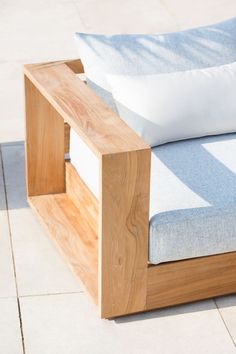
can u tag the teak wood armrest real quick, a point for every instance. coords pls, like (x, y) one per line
(105, 241)
(101, 129)
(54, 95)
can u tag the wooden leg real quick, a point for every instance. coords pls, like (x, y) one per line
(123, 236)
(45, 166)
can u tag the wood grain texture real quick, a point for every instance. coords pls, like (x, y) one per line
(191, 280)
(67, 137)
(81, 196)
(75, 65)
(45, 168)
(101, 129)
(123, 234)
(74, 235)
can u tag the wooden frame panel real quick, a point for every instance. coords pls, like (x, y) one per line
(105, 241)
(190, 280)
(124, 188)
(124, 222)
(45, 171)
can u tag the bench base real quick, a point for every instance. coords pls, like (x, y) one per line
(168, 284)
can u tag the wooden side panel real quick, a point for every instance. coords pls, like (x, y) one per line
(74, 235)
(123, 236)
(45, 168)
(191, 280)
(81, 196)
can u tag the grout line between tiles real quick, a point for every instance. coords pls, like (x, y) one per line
(52, 294)
(12, 253)
(222, 318)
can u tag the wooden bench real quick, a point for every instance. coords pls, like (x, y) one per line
(105, 241)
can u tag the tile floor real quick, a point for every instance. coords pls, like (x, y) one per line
(42, 307)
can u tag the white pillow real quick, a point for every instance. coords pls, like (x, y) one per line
(175, 106)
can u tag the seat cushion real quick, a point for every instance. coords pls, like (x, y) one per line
(193, 199)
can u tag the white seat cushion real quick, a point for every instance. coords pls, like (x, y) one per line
(192, 199)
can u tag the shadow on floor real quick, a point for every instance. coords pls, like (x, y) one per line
(13, 162)
(204, 305)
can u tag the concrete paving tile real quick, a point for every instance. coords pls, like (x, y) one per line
(69, 324)
(199, 13)
(38, 32)
(10, 70)
(12, 128)
(133, 16)
(11, 112)
(30, 32)
(10, 336)
(227, 308)
(39, 267)
(7, 278)
(11, 102)
(6, 4)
